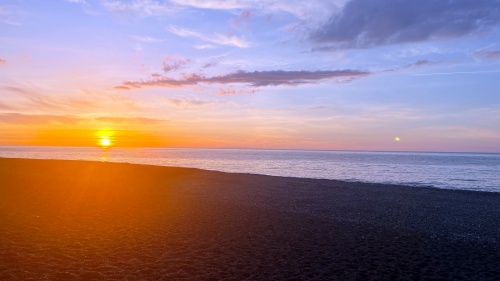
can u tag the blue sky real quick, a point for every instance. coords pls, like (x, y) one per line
(340, 74)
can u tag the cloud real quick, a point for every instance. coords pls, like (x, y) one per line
(243, 17)
(420, 63)
(77, 1)
(140, 7)
(47, 119)
(219, 39)
(130, 120)
(2, 61)
(146, 39)
(487, 55)
(457, 72)
(230, 91)
(87, 7)
(212, 62)
(253, 79)
(187, 103)
(9, 16)
(205, 46)
(87, 100)
(4, 106)
(215, 4)
(173, 63)
(35, 99)
(371, 23)
(28, 119)
(121, 88)
(310, 12)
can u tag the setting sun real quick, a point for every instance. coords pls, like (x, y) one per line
(105, 142)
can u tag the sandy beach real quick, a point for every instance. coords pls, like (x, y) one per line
(76, 220)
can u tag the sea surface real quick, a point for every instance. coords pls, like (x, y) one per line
(468, 171)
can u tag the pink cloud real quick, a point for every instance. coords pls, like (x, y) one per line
(188, 103)
(230, 91)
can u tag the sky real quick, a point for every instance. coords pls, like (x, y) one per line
(389, 75)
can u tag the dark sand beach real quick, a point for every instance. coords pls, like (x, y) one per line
(75, 220)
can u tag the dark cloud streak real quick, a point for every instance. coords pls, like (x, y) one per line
(253, 79)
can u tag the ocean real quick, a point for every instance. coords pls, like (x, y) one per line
(466, 171)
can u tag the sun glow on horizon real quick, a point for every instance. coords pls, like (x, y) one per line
(105, 142)
(105, 137)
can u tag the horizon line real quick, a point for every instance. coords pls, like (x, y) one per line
(257, 148)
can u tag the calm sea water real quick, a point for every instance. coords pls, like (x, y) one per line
(470, 171)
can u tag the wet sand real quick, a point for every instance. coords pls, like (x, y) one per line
(76, 220)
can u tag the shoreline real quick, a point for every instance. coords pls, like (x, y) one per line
(70, 220)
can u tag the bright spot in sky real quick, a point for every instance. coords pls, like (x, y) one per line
(397, 138)
(105, 142)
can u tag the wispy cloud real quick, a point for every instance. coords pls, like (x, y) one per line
(47, 119)
(371, 23)
(253, 79)
(230, 91)
(188, 103)
(29, 119)
(487, 55)
(204, 46)
(219, 39)
(173, 63)
(130, 120)
(456, 72)
(87, 7)
(147, 39)
(415, 65)
(421, 63)
(2, 61)
(4, 106)
(34, 98)
(310, 12)
(141, 7)
(215, 4)
(86, 101)
(212, 62)
(77, 1)
(241, 18)
(9, 16)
